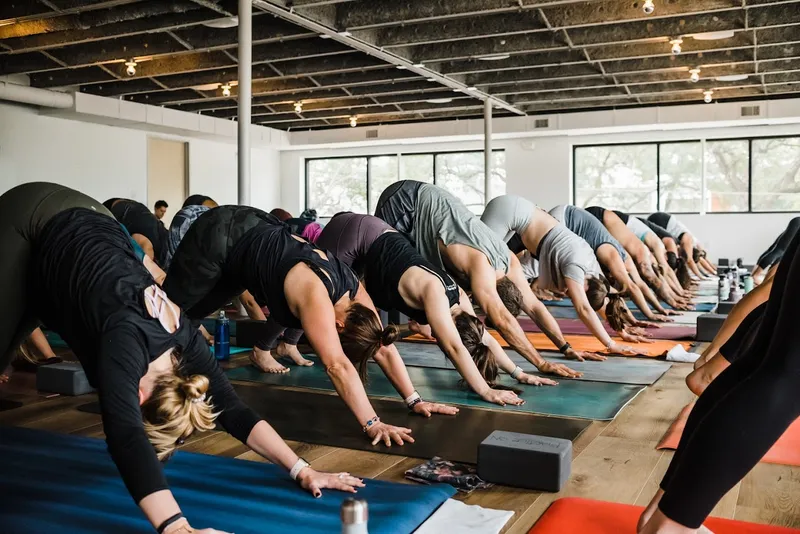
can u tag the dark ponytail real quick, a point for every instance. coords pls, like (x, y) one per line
(672, 260)
(617, 312)
(684, 277)
(363, 336)
(471, 331)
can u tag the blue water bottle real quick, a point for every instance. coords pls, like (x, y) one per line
(222, 337)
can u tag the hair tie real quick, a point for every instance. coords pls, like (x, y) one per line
(199, 399)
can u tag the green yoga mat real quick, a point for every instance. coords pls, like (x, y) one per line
(571, 398)
(55, 341)
(634, 371)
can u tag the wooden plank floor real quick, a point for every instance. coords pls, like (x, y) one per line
(614, 461)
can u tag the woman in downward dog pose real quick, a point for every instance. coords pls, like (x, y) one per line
(156, 379)
(691, 249)
(449, 236)
(612, 258)
(397, 277)
(758, 392)
(233, 248)
(566, 263)
(617, 223)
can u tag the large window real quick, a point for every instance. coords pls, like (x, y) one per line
(741, 175)
(776, 174)
(356, 183)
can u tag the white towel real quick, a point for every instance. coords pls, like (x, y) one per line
(455, 517)
(679, 354)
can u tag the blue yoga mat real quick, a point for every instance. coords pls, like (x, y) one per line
(55, 341)
(637, 371)
(686, 318)
(59, 483)
(567, 303)
(577, 399)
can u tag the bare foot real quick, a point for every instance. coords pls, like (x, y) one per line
(648, 512)
(661, 524)
(543, 294)
(699, 379)
(422, 329)
(264, 361)
(285, 350)
(208, 337)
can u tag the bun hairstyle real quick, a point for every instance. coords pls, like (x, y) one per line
(471, 330)
(363, 336)
(510, 294)
(177, 407)
(616, 311)
(672, 260)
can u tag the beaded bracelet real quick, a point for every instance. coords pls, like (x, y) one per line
(374, 421)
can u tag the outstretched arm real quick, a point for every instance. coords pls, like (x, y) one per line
(613, 262)
(308, 300)
(484, 289)
(254, 311)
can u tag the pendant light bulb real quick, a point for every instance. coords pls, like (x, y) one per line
(695, 75)
(298, 107)
(648, 7)
(353, 121)
(131, 64)
(226, 90)
(708, 96)
(676, 46)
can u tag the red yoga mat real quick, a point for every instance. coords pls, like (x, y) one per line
(576, 327)
(584, 516)
(786, 450)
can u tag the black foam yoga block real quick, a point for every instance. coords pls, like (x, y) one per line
(525, 461)
(708, 325)
(66, 378)
(724, 308)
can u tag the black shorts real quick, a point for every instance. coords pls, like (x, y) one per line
(398, 205)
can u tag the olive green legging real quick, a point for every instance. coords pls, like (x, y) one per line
(24, 212)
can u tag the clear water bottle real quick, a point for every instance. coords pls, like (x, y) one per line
(222, 337)
(748, 283)
(354, 516)
(723, 288)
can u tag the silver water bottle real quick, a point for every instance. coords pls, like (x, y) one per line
(354, 516)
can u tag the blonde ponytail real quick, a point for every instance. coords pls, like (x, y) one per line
(177, 407)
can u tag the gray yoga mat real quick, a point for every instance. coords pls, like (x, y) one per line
(636, 371)
(688, 318)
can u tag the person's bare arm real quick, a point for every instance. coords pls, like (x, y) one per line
(254, 311)
(588, 316)
(484, 289)
(437, 309)
(613, 262)
(308, 300)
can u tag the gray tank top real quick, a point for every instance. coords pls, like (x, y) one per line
(508, 214)
(441, 216)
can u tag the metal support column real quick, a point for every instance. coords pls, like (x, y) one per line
(245, 96)
(487, 150)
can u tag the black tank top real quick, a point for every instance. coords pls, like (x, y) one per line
(660, 218)
(624, 216)
(138, 219)
(262, 257)
(597, 211)
(389, 257)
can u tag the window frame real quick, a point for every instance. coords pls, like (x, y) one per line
(679, 141)
(368, 177)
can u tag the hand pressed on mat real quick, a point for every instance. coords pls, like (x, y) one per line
(550, 368)
(387, 434)
(314, 481)
(426, 409)
(582, 355)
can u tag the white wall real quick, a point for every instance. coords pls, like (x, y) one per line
(540, 169)
(111, 161)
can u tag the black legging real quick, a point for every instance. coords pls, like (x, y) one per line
(744, 411)
(738, 344)
(776, 251)
(275, 333)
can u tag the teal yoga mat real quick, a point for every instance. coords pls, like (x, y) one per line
(571, 398)
(615, 370)
(59, 483)
(55, 341)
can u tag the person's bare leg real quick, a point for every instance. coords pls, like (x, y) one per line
(285, 350)
(661, 524)
(648, 511)
(263, 360)
(43, 348)
(699, 379)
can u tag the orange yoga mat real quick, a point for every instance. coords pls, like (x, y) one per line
(584, 343)
(786, 450)
(585, 516)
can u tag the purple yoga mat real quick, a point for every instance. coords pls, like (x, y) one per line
(575, 326)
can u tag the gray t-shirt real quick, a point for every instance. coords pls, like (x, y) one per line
(441, 216)
(562, 255)
(508, 214)
(639, 228)
(530, 266)
(586, 225)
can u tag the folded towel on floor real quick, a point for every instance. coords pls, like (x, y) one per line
(679, 354)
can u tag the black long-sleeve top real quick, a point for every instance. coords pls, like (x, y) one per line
(88, 286)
